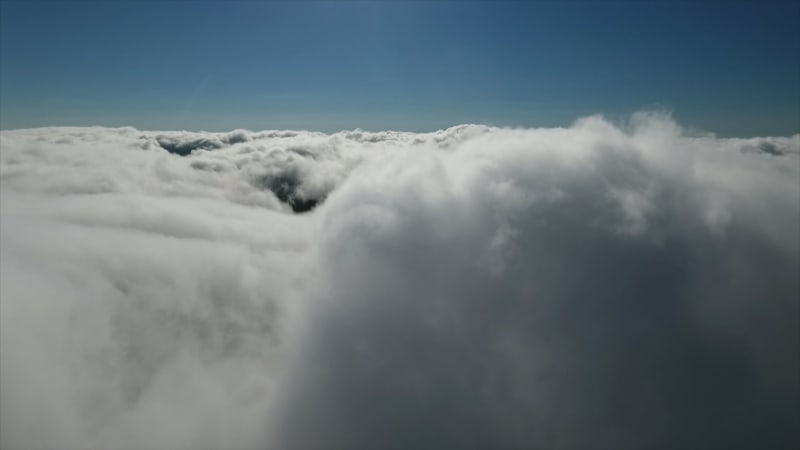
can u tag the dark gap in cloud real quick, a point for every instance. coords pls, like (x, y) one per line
(766, 147)
(236, 137)
(769, 148)
(285, 186)
(301, 205)
(185, 148)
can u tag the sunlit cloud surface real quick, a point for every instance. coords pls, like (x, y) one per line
(599, 286)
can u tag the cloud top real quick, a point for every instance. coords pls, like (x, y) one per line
(603, 285)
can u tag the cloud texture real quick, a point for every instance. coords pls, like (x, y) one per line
(598, 286)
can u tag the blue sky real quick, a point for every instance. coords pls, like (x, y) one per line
(729, 67)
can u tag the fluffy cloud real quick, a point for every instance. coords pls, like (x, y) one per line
(602, 285)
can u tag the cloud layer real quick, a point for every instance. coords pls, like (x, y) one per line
(598, 286)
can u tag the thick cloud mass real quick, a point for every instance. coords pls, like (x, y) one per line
(598, 286)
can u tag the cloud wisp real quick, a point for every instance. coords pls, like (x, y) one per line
(597, 286)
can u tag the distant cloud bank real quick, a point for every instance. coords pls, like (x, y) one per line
(598, 286)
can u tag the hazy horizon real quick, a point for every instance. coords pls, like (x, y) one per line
(722, 67)
(688, 130)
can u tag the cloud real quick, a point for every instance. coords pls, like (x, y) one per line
(596, 286)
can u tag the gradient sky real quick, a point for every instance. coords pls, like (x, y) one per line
(728, 67)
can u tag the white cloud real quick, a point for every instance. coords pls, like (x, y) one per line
(594, 286)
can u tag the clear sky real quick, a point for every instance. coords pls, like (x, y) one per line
(730, 67)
